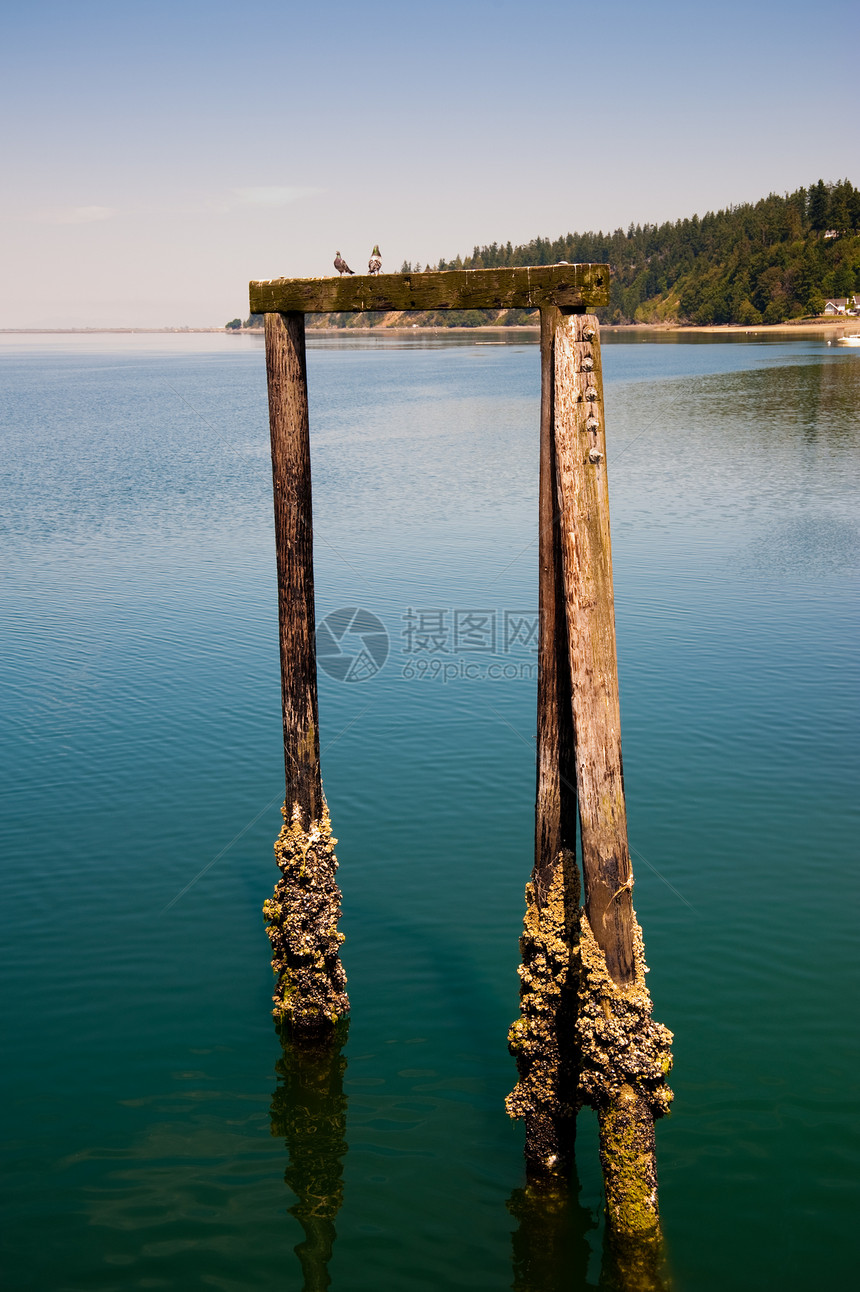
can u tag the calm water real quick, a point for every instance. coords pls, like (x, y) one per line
(152, 1140)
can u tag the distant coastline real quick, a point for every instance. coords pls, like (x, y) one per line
(815, 326)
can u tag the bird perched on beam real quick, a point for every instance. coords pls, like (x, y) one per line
(340, 265)
(374, 264)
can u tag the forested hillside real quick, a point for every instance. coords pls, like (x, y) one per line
(777, 259)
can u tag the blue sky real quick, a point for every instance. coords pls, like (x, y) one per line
(156, 156)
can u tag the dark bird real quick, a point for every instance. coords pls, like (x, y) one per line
(340, 265)
(374, 264)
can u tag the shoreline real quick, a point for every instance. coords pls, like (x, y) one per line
(813, 326)
(831, 322)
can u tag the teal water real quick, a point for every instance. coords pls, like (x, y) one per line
(153, 1134)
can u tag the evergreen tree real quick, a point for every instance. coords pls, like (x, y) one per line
(819, 206)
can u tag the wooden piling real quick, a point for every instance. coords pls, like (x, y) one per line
(555, 816)
(624, 1055)
(543, 1037)
(286, 372)
(302, 916)
(583, 502)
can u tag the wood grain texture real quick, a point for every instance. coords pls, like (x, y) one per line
(583, 502)
(543, 1039)
(291, 478)
(577, 287)
(555, 814)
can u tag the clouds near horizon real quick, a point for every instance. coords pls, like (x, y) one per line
(73, 214)
(267, 196)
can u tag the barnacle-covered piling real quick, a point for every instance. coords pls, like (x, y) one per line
(624, 1054)
(625, 1059)
(302, 919)
(543, 1038)
(302, 915)
(585, 1035)
(581, 1039)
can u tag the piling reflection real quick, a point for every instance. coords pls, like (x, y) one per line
(550, 1248)
(633, 1265)
(309, 1113)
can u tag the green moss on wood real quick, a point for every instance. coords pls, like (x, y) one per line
(629, 1165)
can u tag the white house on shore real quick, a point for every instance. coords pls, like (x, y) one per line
(842, 305)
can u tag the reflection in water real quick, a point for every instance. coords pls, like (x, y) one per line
(550, 1244)
(551, 1251)
(633, 1265)
(309, 1112)
(420, 339)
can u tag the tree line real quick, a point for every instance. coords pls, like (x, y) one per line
(765, 262)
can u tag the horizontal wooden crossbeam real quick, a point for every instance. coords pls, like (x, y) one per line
(581, 288)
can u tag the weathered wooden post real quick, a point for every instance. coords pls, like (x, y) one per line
(624, 1055)
(303, 914)
(543, 1037)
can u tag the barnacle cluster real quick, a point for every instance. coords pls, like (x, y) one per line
(542, 1037)
(625, 1059)
(301, 919)
(619, 1043)
(583, 1039)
